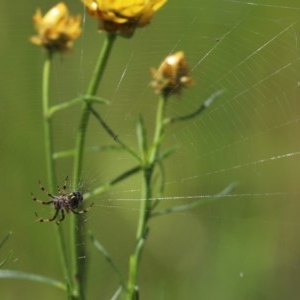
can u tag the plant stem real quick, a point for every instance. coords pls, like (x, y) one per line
(48, 136)
(145, 212)
(91, 91)
(78, 232)
(159, 129)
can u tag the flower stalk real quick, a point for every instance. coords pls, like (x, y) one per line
(169, 79)
(78, 231)
(48, 141)
(146, 205)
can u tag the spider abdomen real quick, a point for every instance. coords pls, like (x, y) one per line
(75, 199)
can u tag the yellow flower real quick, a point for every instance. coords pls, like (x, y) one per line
(57, 29)
(123, 16)
(172, 75)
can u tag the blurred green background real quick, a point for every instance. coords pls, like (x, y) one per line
(245, 246)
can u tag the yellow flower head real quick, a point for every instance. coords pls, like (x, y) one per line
(57, 29)
(172, 75)
(123, 16)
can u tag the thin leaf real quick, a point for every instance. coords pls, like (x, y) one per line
(198, 111)
(117, 293)
(141, 133)
(108, 258)
(105, 148)
(63, 154)
(201, 201)
(113, 134)
(75, 101)
(95, 99)
(11, 274)
(8, 256)
(104, 187)
(70, 153)
(5, 239)
(55, 108)
(161, 186)
(166, 153)
(2, 263)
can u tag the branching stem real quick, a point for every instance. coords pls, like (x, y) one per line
(48, 138)
(78, 232)
(146, 206)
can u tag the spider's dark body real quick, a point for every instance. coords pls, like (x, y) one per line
(68, 202)
(75, 199)
(62, 203)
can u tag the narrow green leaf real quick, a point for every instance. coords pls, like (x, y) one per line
(198, 111)
(201, 201)
(117, 293)
(166, 153)
(108, 258)
(141, 133)
(114, 136)
(64, 105)
(55, 108)
(105, 148)
(63, 154)
(5, 239)
(96, 99)
(70, 153)
(8, 256)
(11, 274)
(105, 186)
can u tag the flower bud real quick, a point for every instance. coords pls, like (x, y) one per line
(172, 75)
(57, 29)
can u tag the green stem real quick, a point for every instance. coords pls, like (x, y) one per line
(91, 91)
(142, 231)
(48, 136)
(78, 232)
(159, 129)
(145, 212)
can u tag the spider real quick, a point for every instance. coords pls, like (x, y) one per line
(62, 202)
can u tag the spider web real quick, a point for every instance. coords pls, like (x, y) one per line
(245, 243)
(251, 51)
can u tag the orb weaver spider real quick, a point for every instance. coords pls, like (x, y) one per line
(62, 203)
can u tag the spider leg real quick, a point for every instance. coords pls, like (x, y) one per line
(45, 191)
(40, 201)
(59, 191)
(61, 218)
(65, 185)
(82, 211)
(62, 192)
(50, 219)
